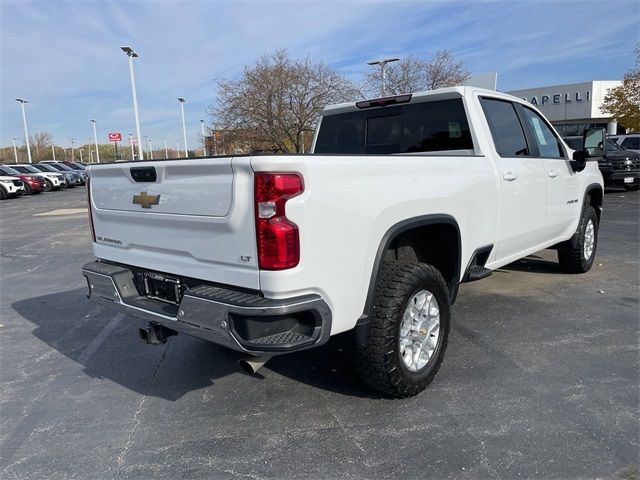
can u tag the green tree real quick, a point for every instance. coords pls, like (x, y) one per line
(623, 102)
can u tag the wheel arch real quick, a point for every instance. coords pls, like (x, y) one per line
(409, 233)
(593, 195)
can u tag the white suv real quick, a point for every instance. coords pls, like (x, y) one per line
(10, 187)
(628, 142)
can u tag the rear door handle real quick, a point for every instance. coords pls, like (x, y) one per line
(553, 173)
(509, 176)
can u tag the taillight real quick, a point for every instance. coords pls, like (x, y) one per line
(277, 237)
(93, 231)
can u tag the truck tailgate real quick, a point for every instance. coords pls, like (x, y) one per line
(184, 217)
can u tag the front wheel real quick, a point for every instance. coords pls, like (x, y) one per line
(400, 350)
(579, 257)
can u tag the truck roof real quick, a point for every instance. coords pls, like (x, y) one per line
(415, 97)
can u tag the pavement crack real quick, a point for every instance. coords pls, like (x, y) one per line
(137, 420)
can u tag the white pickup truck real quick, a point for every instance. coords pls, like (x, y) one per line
(402, 199)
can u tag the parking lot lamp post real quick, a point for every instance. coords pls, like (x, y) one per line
(150, 150)
(178, 148)
(133, 155)
(15, 149)
(24, 121)
(204, 140)
(73, 156)
(166, 150)
(53, 152)
(383, 63)
(80, 150)
(95, 138)
(132, 54)
(184, 127)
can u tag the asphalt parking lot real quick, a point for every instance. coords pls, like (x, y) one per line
(540, 379)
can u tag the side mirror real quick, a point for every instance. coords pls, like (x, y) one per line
(593, 146)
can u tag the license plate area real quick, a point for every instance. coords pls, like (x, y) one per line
(163, 288)
(628, 180)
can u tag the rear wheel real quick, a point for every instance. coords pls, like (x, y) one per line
(3, 193)
(400, 351)
(27, 189)
(579, 258)
(48, 186)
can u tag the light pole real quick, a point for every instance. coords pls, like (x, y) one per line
(15, 149)
(80, 155)
(178, 148)
(383, 63)
(184, 127)
(204, 140)
(24, 121)
(166, 150)
(53, 152)
(131, 54)
(73, 157)
(133, 155)
(95, 138)
(150, 149)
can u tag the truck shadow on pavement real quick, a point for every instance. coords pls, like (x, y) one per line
(107, 347)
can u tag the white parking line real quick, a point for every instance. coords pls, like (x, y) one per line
(61, 211)
(101, 337)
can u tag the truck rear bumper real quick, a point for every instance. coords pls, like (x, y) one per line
(241, 321)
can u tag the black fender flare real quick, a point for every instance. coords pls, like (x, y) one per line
(391, 234)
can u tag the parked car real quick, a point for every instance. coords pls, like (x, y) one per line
(54, 181)
(402, 199)
(629, 142)
(72, 179)
(619, 167)
(80, 178)
(32, 183)
(10, 187)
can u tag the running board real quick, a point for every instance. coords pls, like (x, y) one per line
(477, 272)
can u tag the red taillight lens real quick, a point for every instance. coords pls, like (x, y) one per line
(93, 231)
(277, 237)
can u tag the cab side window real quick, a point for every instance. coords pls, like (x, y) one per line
(506, 130)
(548, 144)
(632, 143)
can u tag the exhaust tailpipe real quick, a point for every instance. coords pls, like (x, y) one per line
(251, 365)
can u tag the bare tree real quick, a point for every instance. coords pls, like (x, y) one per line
(413, 74)
(275, 104)
(41, 145)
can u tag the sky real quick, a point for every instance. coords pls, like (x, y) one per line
(64, 57)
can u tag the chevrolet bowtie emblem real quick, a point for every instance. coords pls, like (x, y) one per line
(145, 200)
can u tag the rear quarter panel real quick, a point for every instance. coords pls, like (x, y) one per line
(350, 202)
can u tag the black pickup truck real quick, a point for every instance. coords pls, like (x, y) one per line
(618, 166)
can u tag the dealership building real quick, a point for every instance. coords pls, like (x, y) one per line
(572, 108)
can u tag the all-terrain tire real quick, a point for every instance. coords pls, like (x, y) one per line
(574, 259)
(378, 354)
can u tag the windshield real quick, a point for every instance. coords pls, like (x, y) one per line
(60, 167)
(45, 168)
(439, 125)
(613, 146)
(74, 166)
(9, 171)
(27, 169)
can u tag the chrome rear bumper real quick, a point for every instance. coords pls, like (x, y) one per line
(241, 321)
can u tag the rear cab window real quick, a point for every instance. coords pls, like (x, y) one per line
(506, 129)
(430, 126)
